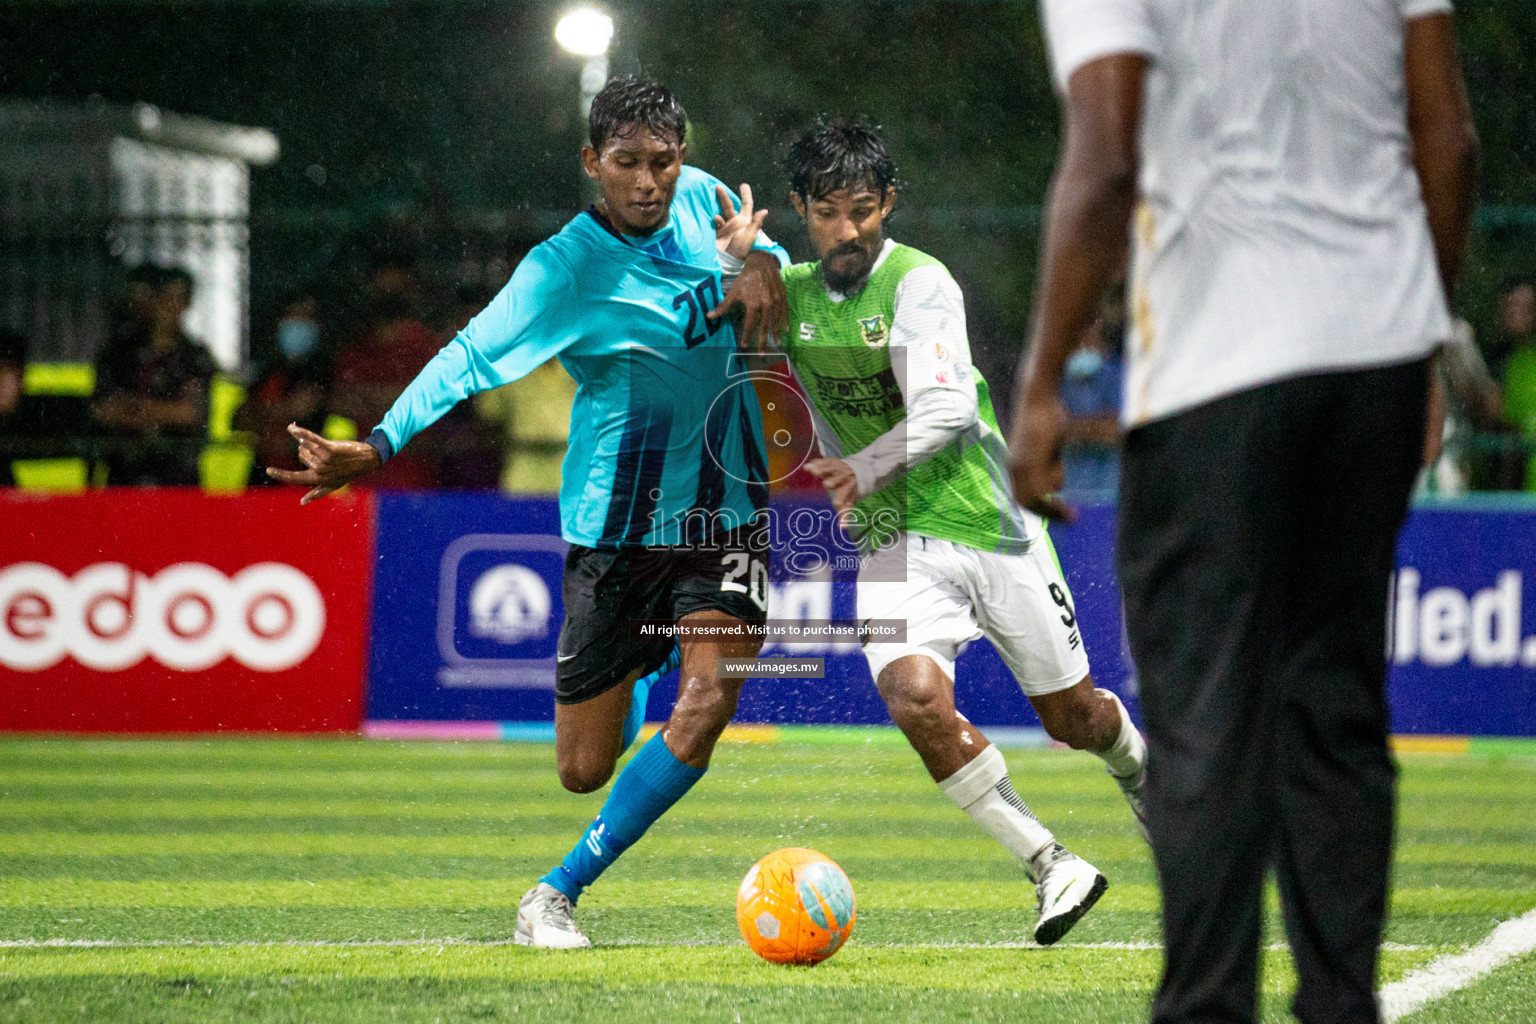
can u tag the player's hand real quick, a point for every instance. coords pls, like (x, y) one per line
(736, 230)
(329, 465)
(839, 479)
(1036, 457)
(759, 294)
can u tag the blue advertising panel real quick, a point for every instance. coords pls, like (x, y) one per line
(1463, 632)
(467, 610)
(985, 691)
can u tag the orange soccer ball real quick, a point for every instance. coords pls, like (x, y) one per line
(795, 907)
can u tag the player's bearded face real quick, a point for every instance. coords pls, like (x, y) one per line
(847, 229)
(637, 174)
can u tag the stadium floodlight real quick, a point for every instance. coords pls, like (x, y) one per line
(585, 32)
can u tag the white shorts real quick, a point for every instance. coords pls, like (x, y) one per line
(953, 594)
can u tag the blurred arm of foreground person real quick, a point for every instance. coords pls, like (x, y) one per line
(1091, 200)
(1445, 157)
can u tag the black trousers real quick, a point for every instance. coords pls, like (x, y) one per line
(1257, 536)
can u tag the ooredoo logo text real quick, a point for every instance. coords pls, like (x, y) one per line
(188, 616)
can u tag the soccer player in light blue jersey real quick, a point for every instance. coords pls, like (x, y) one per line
(665, 479)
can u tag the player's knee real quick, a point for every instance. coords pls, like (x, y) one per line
(585, 776)
(711, 708)
(1068, 719)
(914, 700)
(699, 717)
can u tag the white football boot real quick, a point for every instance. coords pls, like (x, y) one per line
(1068, 888)
(544, 919)
(1132, 786)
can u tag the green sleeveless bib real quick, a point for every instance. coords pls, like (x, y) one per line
(841, 354)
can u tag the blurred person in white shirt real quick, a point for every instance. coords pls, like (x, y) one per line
(1296, 179)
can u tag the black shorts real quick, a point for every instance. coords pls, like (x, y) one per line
(605, 590)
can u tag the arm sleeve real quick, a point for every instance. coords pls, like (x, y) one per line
(931, 358)
(1078, 31)
(525, 324)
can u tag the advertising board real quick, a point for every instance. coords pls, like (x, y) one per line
(168, 610)
(468, 608)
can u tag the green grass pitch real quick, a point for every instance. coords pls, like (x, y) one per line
(256, 880)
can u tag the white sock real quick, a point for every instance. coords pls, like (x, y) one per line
(1129, 753)
(982, 790)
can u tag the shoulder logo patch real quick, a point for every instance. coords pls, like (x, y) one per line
(873, 328)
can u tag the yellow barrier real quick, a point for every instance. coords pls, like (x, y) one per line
(75, 380)
(225, 397)
(225, 466)
(50, 476)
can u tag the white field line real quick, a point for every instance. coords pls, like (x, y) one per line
(450, 941)
(1441, 977)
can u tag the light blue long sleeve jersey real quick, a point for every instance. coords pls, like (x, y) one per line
(663, 423)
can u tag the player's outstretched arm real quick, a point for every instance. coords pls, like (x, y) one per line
(329, 465)
(1444, 139)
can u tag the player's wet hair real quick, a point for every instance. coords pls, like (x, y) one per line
(632, 100)
(837, 155)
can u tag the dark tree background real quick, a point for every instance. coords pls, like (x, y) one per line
(453, 125)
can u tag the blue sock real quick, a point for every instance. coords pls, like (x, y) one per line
(652, 782)
(643, 686)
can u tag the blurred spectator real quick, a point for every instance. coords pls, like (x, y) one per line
(471, 444)
(152, 384)
(13, 364)
(294, 389)
(1091, 392)
(532, 415)
(535, 413)
(376, 365)
(135, 302)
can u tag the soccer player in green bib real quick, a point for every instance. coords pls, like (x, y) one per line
(912, 451)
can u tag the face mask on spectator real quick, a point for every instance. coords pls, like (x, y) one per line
(297, 338)
(1085, 362)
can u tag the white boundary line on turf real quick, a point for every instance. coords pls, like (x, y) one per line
(386, 943)
(1441, 977)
